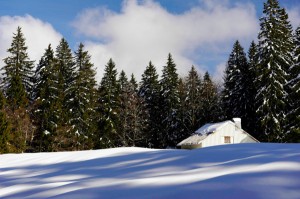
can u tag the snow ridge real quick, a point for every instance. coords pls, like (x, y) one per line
(227, 171)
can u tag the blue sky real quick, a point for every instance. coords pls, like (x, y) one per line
(196, 32)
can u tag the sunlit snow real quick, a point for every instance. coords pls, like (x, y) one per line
(228, 171)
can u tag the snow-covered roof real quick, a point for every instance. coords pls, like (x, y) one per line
(211, 127)
(194, 139)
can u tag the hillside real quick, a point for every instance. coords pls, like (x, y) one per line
(229, 171)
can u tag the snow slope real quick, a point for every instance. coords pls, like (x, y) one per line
(228, 171)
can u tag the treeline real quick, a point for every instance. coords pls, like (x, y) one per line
(58, 106)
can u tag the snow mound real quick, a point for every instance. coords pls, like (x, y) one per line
(227, 171)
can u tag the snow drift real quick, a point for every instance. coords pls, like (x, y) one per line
(228, 171)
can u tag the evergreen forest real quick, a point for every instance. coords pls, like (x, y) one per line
(56, 104)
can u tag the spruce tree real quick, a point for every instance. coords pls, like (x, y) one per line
(232, 96)
(293, 126)
(17, 72)
(134, 83)
(193, 102)
(274, 60)
(124, 109)
(245, 90)
(4, 127)
(132, 113)
(16, 94)
(183, 128)
(42, 73)
(249, 122)
(123, 80)
(83, 101)
(209, 111)
(67, 72)
(109, 103)
(17, 87)
(45, 97)
(66, 137)
(169, 105)
(149, 90)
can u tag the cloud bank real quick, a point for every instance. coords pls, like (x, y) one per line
(294, 16)
(38, 35)
(144, 31)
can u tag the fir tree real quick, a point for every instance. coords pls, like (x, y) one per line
(149, 91)
(209, 101)
(83, 102)
(45, 96)
(4, 127)
(183, 128)
(134, 83)
(132, 113)
(244, 90)
(65, 139)
(123, 80)
(109, 103)
(17, 87)
(275, 58)
(42, 73)
(67, 71)
(249, 120)
(193, 102)
(169, 104)
(17, 72)
(293, 126)
(232, 97)
(124, 108)
(16, 94)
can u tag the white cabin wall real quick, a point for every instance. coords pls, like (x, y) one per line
(217, 138)
(236, 135)
(241, 137)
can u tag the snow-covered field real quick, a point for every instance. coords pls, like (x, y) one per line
(231, 171)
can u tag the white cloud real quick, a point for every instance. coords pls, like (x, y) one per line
(219, 72)
(211, 4)
(145, 31)
(38, 35)
(294, 16)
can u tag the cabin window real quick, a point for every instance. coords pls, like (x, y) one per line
(227, 139)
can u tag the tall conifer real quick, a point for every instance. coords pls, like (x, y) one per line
(83, 101)
(46, 112)
(169, 104)
(209, 111)
(232, 96)
(149, 91)
(293, 126)
(275, 58)
(184, 126)
(192, 100)
(109, 103)
(66, 137)
(132, 114)
(17, 87)
(17, 72)
(249, 122)
(4, 127)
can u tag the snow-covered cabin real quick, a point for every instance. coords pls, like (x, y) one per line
(227, 132)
